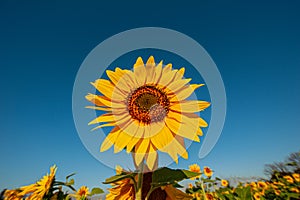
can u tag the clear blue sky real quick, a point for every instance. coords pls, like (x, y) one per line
(256, 47)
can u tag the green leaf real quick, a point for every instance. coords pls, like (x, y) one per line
(67, 177)
(119, 177)
(176, 185)
(96, 191)
(205, 180)
(244, 193)
(165, 176)
(293, 195)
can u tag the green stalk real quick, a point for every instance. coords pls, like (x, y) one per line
(203, 191)
(150, 191)
(138, 194)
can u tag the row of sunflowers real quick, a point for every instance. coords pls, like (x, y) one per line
(161, 184)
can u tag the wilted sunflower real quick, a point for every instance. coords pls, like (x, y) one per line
(148, 109)
(124, 189)
(41, 188)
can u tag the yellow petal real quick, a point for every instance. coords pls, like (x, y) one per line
(127, 82)
(185, 92)
(131, 144)
(123, 120)
(199, 132)
(94, 99)
(185, 129)
(122, 141)
(99, 100)
(116, 75)
(167, 78)
(182, 151)
(158, 71)
(139, 62)
(151, 157)
(110, 139)
(138, 158)
(103, 125)
(196, 86)
(163, 138)
(174, 149)
(181, 72)
(108, 89)
(202, 123)
(98, 108)
(177, 85)
(150, 70)
(150, 61)
(167, 68)
(103, 118)
(142, 146)
(140, 72)
(189, 106)
(154, 129)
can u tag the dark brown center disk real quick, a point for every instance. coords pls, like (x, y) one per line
(148, 104)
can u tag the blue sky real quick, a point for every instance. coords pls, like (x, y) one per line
(256, 47)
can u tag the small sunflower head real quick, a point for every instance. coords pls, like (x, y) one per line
(224, 183)
(207, 171)
(288, 179)
(296, 177)
(83, 192)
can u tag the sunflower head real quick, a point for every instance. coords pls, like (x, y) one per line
(288, 179)
(207, 171)
(262, 184)
(83, 192)
(224, 182)
(12, 195)
(148, 111)
(195, 168)
(41, 188)
(296, 177)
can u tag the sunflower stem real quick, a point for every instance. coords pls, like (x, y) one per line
(203, 190)
(149, 193)
(138, 194)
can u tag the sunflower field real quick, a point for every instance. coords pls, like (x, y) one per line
(149, 112)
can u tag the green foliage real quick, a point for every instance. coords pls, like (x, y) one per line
(120, 177)
(166, 176)
(96, 191)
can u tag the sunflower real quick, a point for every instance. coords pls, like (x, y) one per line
(224, 182)
(124, 190)
(195, 168)
(12, 195)
(257, 196)
(207, 171)
(288, 179)
(262, 184)
(41, 188)
(148, 111)
(296, 177)
(81, 193)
